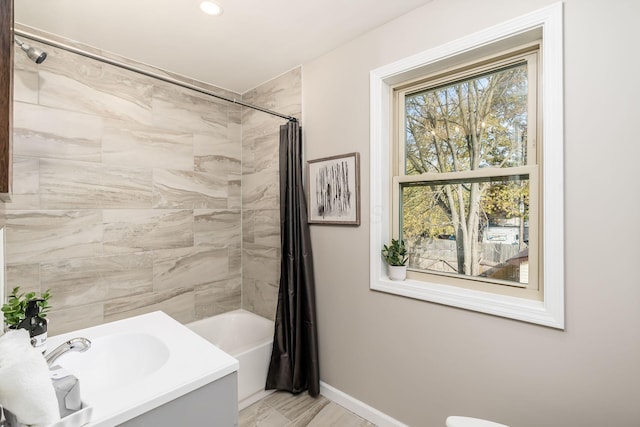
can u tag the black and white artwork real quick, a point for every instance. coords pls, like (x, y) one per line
(333, 190)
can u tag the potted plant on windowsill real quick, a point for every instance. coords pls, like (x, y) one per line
(396, 258)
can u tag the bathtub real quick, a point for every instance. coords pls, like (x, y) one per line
(247, 337)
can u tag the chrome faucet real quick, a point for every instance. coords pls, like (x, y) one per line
(74, 344)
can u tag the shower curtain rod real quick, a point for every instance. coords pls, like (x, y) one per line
(153, 75)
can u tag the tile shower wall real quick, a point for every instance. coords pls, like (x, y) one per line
(260, 190)
(127, 194)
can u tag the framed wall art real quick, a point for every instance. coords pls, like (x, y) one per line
(333, 190)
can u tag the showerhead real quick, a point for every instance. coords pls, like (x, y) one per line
(36, 55)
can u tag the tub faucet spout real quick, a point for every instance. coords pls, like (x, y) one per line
(74, 344)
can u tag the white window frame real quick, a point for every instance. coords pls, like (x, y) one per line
(545, 23)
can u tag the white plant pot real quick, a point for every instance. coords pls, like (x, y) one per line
(397, 272)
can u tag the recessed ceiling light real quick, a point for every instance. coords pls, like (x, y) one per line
(211, 8)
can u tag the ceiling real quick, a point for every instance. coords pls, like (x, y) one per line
(250, 43)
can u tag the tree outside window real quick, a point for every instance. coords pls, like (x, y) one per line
(465, 179)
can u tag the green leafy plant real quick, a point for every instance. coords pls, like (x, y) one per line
(16, 306)
(395, 254)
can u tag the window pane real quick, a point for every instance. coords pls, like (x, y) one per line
(473, 228)
(468, 125)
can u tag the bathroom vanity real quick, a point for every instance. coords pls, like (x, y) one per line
(214, 404)
(152, 370)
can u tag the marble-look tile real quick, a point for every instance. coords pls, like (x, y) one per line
(26, 276)
(248, 226)
(261, 415)
(25, 86)
(131, 144)
(56, 134)
(184, 109)
(216, 154)
(261, 262)
(178, 303)
(71, 82)
(219, 91)
(234, 196)
(256, 127)
(234, 130)
(173, 189)
(82, 281)
(261, 190)
(26, 175)
(22, 202)
(218, 228)
(282, 93)
(248, 157)
(189, 267)
(267, 228)
(88, 138)
(292, 406)
(74, 318)
(50, 235)
(67, 184)
(260, 297)
(220, 165)
(218, 297)
(234, 116)
(266, 152)
(135, 230)
(216, 144)
(235, 262)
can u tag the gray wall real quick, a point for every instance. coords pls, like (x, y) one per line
(126, 194)
(420, 362)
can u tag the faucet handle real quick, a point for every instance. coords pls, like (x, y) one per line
(74, 344)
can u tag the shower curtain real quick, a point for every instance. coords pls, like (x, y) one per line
(294, 358)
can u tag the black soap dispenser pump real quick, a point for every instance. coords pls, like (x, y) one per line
(36, 325)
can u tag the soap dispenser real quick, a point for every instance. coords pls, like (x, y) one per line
(36, 325)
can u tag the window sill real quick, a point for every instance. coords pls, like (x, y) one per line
(499, 305)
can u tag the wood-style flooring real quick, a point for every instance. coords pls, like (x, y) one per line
(282, 409)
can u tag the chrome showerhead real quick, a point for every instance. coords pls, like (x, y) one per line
(36, 55)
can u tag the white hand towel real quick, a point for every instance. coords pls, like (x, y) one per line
(25, 383)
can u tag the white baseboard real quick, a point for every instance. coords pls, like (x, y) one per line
(359, 408)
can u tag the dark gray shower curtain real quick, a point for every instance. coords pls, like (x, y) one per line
(294, 358)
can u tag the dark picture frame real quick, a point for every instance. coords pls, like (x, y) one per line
(333, 190)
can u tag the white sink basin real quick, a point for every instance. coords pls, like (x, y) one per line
(137, 364)
(115, 361)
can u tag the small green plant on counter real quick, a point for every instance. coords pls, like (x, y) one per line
(15, 307)
(396, 253)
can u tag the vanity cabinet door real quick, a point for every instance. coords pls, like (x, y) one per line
(6, 96)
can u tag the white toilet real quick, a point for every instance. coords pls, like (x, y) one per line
(471, 422)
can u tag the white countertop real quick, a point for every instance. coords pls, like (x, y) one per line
(192, 363)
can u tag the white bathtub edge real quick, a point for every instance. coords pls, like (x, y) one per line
(359, 408)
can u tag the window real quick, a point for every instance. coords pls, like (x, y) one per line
(466, 179)
(466, 167)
